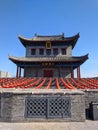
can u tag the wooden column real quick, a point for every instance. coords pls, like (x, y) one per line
(17, 72)
(36, 72)
(24, 72)
(59, 72)
(78, 72)
(72, 74)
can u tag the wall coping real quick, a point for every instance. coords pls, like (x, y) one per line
(91, 90)
(41, 91)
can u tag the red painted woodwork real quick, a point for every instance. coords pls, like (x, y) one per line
(48, 73)
(78, 72)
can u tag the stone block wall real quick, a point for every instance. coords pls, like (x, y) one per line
(29, 72)
(6, 106)
(78, 107)
(90, 96)
(13, 105)
(56, 72)
(38, 72)
(65, 72)
(28, 50)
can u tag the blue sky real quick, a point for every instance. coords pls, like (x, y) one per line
(49, 17)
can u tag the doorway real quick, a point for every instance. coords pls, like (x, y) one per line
(48, 73)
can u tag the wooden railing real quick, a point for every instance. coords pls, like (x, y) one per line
(49, 83)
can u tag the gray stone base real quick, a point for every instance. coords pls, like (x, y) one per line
(91, 96)
(13, 104)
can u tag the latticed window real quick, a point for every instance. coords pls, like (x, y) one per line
(47, 107)
(55, 51)
(33, 51)
(48, 51)
(41, 51)
(63, 51)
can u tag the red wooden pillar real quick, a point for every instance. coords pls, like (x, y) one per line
(72, 74)
(78, 72)
(17, 72)
(24, 72)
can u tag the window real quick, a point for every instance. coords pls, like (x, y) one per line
(63, 51)
(33, 51)
(48, 52)
(41, 51)
(55, 51)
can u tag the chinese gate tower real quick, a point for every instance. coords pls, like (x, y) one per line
(49, 56)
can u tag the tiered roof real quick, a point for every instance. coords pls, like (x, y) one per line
(60, 60)
(49, 59)
(54, 39)
(64, 59)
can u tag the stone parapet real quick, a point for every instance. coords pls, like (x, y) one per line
(13, 104)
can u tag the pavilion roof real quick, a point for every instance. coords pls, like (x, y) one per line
(54, 38)
(49, 59)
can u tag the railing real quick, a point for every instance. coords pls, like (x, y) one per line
(65, 84)
(49, 83)
(57, 84)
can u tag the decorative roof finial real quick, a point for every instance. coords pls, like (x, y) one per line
(62, 35)
(35, 34)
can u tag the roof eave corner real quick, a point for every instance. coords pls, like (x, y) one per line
(21, 40)
(87, 55)
(10, 57)
(20, 37)
(77, 36)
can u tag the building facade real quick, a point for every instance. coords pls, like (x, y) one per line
(49, 56)
(4, 74)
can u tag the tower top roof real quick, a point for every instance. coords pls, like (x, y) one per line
(53, 38)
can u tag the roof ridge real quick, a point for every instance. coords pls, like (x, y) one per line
(49, 35)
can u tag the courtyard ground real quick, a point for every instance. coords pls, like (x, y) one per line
(87, 125)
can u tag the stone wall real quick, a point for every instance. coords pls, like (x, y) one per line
(28, 50)
(38, 72)
(65, 72)
(33, 72)
(13, 104)
(90, 96)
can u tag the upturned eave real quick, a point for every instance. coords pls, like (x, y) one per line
(55, 38)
